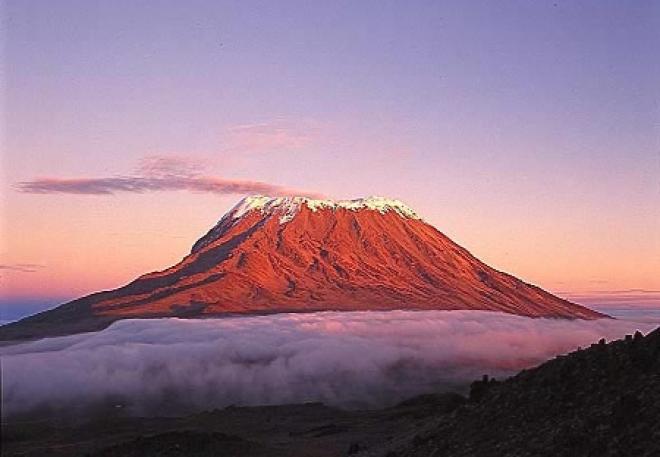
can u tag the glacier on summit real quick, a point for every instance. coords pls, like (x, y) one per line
(287, 208)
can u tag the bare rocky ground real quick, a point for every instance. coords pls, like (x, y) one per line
(312, 430)
(599, 401)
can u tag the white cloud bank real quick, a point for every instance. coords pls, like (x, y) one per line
(340, 358)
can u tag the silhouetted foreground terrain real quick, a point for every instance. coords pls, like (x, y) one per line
(600, 401)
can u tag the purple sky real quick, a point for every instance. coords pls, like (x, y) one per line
(526, 131)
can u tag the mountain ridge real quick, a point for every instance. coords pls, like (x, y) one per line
(294, 254)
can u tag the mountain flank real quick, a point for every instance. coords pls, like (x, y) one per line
(295, 254)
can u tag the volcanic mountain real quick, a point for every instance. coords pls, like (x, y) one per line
(296, 254)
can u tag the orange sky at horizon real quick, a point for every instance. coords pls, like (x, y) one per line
(77, 245)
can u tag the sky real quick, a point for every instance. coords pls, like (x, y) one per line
(528, 132)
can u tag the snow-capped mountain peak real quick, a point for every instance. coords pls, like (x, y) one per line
(288, 207)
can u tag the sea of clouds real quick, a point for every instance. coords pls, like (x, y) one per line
(346, 359)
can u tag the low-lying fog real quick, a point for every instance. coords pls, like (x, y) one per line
(347, 359)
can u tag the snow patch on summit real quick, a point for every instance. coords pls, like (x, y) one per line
(288, 207)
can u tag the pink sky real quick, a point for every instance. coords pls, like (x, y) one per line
(528, 135)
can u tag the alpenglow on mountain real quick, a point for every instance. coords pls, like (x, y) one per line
(295, 254)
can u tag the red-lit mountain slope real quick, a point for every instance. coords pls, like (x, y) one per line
(295, 254)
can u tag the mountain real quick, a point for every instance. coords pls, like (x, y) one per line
(296, 254)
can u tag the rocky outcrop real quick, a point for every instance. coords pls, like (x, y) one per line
(601, 401)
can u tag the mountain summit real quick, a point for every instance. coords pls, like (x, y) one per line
(295, 254)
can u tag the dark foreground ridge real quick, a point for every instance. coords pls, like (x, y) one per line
(600, 401)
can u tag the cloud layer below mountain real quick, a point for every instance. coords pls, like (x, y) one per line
(353, 359)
